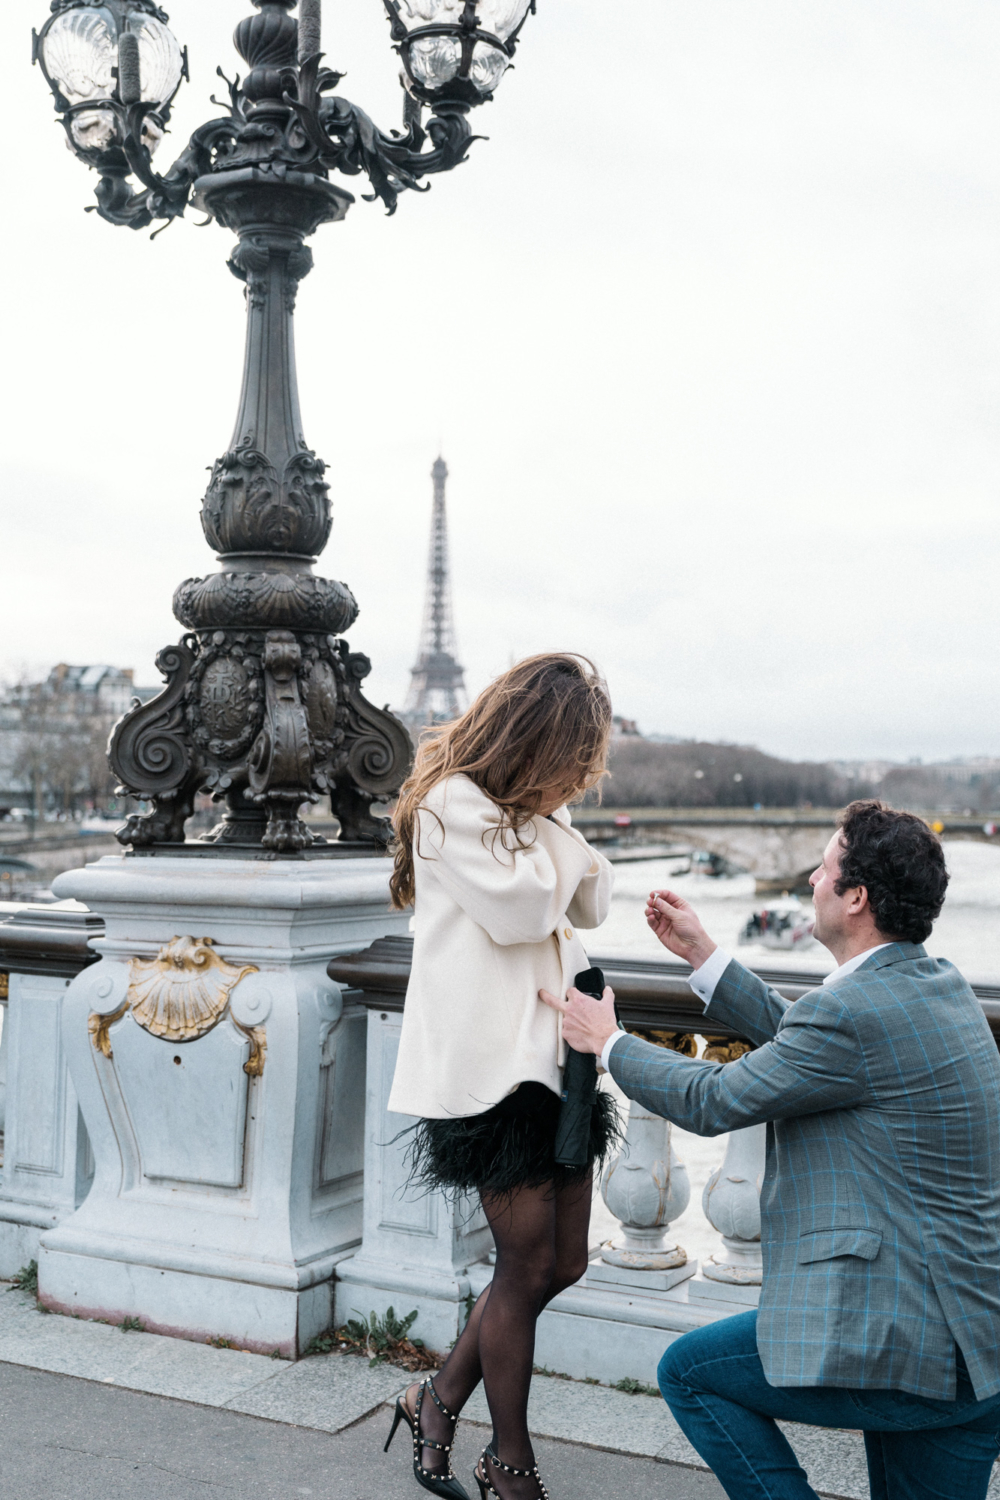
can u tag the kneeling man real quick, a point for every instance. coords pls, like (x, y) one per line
(880, 1210)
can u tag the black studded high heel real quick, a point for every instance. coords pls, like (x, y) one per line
(438, 1481)
(485, 1484)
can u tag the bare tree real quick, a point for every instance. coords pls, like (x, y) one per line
(693, 774)
(61, 745)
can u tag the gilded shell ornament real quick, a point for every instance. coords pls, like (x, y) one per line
(183, 992)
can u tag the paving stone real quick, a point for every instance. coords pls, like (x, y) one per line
(595, 1415)
(328, 1393)
(138, 1361)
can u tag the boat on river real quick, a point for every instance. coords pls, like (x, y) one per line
(781, 923)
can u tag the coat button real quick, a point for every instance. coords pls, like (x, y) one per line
(567, 932)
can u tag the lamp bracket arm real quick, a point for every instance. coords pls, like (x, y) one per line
(167, 196)
(347, 140)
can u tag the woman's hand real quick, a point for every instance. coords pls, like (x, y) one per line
(587, 1023)
(678, 928)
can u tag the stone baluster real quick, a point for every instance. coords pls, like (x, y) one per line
(731, 1201)
(646, 1187)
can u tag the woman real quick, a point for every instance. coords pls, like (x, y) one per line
(499, 881)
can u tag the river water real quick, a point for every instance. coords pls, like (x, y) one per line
(967, 931)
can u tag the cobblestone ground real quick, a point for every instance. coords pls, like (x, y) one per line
(69, 1439)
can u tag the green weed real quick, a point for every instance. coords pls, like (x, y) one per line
(26, 1279)
(384, 1340)
(634, 1387)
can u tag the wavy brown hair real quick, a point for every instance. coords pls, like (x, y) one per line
(542, 727)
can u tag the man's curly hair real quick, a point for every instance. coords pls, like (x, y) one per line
(900, 862)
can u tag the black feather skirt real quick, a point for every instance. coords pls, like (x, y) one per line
(509, 1146)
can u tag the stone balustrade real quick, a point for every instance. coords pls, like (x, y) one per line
(411, 1249)
(47, 1162)
(641, 1289)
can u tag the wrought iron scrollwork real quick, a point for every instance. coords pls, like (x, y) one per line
(378, 759)
(151, 753)
(149, 748)
(346, 140)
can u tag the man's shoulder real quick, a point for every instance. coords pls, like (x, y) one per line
(902, 969)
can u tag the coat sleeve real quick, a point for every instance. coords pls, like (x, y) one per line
(747, 1005)
(592, 899)
(516, 894)
(815, 1063)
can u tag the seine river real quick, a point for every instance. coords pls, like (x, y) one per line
(967, 931)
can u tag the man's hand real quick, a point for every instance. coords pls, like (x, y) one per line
(587, 1023)
(678, 929)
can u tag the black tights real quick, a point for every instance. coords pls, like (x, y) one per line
(541, 1237)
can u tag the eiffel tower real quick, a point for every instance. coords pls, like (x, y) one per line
(437, 682)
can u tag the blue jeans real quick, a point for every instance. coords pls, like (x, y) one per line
(917, 1449)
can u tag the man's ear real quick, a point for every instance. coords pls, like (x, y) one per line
(859, 901)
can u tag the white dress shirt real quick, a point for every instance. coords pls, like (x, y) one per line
(704, 980)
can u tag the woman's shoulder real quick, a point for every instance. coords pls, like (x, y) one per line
(459, 794)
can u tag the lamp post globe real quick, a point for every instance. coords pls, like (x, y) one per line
(97, 59)
(456, 50)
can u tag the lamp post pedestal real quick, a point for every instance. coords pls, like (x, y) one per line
(220, 1074)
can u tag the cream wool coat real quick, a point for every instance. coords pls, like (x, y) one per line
(492, 926)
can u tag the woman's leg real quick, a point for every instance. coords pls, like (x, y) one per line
(542, 1238)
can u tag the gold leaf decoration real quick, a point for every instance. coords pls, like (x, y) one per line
(183, 992)
(257, 1037)
(724, 1049)
(99, 1026)
(675, 1041)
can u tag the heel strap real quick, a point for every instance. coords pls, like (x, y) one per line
(428, 1385)
(489, 1456)
(420, 1442)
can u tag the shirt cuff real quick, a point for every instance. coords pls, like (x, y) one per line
(614, 1038)
(704, 980)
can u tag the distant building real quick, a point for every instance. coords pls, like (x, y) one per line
(112, 689)
(624, 728)
(72, 703)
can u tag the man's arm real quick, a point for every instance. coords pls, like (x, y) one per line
(734, 997)
(814, 1064)
(741, 1002)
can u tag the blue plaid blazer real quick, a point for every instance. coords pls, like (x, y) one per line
(880, 1209)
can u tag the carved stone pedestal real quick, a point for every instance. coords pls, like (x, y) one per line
(417, 1246)
(220, 1074)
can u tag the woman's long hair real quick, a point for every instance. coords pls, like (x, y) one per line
(541, 727)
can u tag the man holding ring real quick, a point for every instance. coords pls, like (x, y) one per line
(880, 1209)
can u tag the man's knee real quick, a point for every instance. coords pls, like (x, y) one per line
(678, 1372)
(674, 1367)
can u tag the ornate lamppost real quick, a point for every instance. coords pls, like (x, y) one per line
(220, 1075)
(263, 706)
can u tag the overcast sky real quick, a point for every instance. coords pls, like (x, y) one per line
(709, 330)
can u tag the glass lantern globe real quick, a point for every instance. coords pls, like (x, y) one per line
(78, 52)
(456, 49)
